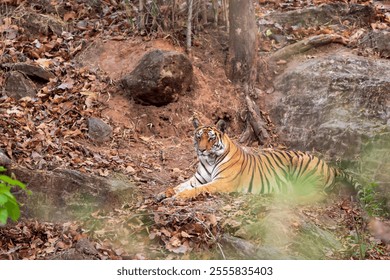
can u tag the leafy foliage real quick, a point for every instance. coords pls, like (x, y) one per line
(9, 206)
(372, 204)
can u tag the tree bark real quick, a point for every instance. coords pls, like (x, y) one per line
(241, 67)
(204, 12)
(195, 12)
(173, 14)
(189, 25)
(242, 64)
(215, 12)
(141, 16)
(225, 13)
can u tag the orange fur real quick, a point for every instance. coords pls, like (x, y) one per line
(225, 167)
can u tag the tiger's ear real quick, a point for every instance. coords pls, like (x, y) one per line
(195, 122)
(221, 125)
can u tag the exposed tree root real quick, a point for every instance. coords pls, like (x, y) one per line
(307, 44)
(255, 122)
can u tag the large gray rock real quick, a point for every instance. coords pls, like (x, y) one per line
(64, 194)
(282, 229)
(323, 15)
(338, 104)
(278, 25)
(159, 78)
(313, 242)
(238, 248)
(332, 103)
(376, 41)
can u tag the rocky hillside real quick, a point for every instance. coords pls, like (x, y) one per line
(96, 137)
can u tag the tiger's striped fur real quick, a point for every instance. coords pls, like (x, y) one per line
(226, 167)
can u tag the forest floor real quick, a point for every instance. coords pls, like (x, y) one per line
(151, 145)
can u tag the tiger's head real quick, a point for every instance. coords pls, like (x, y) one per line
(208, 140)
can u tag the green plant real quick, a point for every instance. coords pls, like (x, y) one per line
(9, 206)
(368, 195)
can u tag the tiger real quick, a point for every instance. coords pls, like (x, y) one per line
(226, 167)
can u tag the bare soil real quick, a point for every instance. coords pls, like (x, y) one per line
(153, 146)
(163, 135)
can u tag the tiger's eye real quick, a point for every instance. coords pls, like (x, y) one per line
(212, 135)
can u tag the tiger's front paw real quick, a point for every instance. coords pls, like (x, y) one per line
(187, 194)
(161, 196)
(170, 192)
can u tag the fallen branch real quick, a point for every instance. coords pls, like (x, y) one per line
(307, 44)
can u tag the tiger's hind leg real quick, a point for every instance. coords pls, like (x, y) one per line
(307, 187)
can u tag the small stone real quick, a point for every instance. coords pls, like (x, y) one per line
(18, 85)
(35, 24)
(34, 71)
(176, 170)
(130, 170)
(4, 159)
(98, 130)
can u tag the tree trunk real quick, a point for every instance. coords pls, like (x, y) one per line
(189, 25)
(241, 66)
(204, 12)
(173, 14)
(215, 12)
(141, 23)
(195, 12)
(225, 13)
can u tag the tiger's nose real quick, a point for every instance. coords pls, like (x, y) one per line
(201, 149)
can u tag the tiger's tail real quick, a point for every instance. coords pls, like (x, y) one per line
(358, 188)
(342, 176)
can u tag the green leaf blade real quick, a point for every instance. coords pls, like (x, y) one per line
(8, 180)
(3, 216)
(3, 199)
